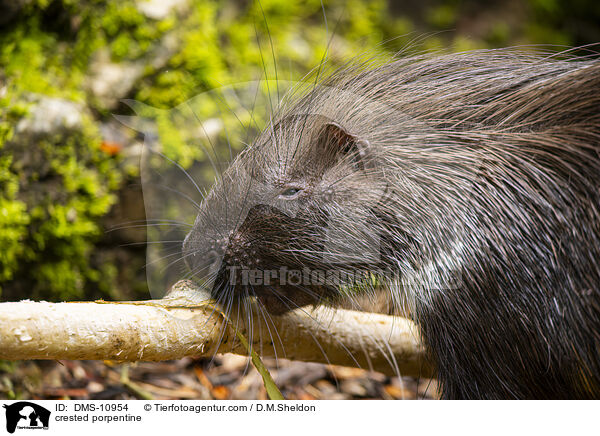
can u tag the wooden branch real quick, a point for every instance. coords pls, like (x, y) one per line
(182, 325)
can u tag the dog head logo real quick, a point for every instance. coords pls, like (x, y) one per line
(25, 414)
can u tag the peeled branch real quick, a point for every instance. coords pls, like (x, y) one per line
(184, 324)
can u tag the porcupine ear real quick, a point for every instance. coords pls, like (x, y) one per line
(335, 143)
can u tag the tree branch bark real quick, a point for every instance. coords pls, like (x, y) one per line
(182, 325)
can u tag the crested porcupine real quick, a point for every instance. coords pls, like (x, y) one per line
(467, 185)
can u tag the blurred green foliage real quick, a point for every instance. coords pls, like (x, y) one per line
(55, 188)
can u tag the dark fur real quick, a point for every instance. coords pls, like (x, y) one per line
(482, 168)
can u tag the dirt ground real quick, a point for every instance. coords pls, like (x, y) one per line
(225, 377)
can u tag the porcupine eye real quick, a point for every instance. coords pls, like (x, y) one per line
(289, 193)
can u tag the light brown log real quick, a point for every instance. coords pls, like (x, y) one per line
(182, 324)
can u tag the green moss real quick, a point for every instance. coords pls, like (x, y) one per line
(50, 228)
(442, 16)
(13, 215)
(53, 189)
(13, 230)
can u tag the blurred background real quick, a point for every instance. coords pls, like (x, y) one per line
(71, 207)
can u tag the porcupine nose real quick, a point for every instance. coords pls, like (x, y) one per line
(202, 254)
(211, 257)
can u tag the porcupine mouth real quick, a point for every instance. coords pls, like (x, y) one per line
(279, 299)
(275, 297)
